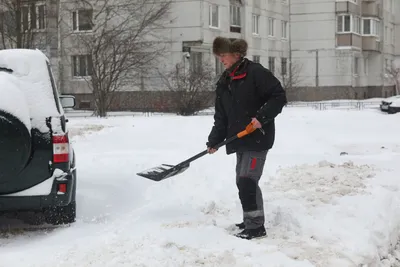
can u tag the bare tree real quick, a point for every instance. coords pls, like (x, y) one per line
(123, 43)
(22, 23)
(290, 77)
(393, 73)
(192, 87)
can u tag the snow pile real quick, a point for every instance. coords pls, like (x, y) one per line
(322, 182)
(328, 213)
(30, 67)
(12, 100)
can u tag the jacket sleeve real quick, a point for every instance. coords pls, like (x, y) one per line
(271, 91)
(218, 131)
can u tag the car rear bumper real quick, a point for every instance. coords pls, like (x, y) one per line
(40, 202)
(384, 107)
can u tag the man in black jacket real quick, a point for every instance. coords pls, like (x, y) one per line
(246, 92)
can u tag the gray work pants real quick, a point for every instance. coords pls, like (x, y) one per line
(249, 169)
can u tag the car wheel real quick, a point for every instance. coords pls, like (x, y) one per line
(15, 146)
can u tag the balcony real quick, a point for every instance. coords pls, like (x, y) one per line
(347, 7)
(348, 39)
(372, 9)
(371, 43)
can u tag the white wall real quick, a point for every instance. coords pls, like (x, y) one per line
(313, 25)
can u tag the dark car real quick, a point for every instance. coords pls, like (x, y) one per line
(37, 161)
(385, 104)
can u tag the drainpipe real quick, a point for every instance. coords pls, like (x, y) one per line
(316, 68)
(382, 47)
(290, 43)
(59, 49)
(202, 21)
(316, 65)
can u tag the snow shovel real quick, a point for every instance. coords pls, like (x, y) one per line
(165, 170)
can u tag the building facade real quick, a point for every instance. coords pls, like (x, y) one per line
(346, 48)
(325, 49)
(264, 24)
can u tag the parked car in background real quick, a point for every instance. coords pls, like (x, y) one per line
(387, 102)
(37, 161)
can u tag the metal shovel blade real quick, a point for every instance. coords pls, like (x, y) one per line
(163, 171)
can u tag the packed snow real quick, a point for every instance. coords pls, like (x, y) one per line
(30, 68)
(331, 190)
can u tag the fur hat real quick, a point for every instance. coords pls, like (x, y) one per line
(229, 45)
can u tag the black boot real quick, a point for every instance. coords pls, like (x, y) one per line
(252, 233)
(241, 225)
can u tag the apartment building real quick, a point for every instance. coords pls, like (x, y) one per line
(264, 24)
(331, 48)
(345, 48)
(37, 27)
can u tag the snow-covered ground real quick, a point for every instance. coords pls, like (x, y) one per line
(322, 208)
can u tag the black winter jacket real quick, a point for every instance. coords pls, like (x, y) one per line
(245, 91)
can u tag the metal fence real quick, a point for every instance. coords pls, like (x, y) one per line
(349, 104)
(317, 105)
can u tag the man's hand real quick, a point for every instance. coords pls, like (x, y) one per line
(256, 123)
(211, 150)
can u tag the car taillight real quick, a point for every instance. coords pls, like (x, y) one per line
(60, 149)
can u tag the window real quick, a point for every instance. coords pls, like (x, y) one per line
(82, 65)
(214, 16)
(284, 66)
(196, 61)
(271, 27)
(33, 17)
(82, 20)
(219, 67)
(344, 23)
(256, 21)
(348, 24)
(235, 18)
(357, 25)
(371, 27)
(271, 64)
(284, 29)
(256, 59)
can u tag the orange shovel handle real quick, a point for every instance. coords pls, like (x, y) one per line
(249, 129)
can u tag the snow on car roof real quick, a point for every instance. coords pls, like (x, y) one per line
(396, 102)
(30, 68)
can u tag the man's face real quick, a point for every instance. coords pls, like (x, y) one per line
(228, 59)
